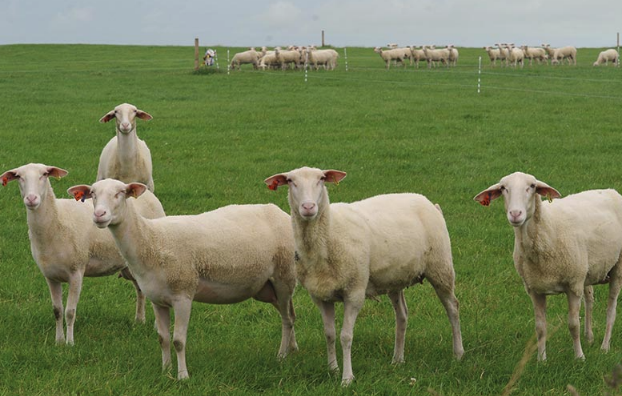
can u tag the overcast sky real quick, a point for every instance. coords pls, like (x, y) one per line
(472, 23)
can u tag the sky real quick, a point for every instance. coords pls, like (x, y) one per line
(365, 23)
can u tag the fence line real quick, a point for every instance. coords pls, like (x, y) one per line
(487, 86)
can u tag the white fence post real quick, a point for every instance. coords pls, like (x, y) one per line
(345, 55)
(479, 76)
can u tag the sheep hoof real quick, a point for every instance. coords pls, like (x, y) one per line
(398, 361)
(183, 375)
(345, 382)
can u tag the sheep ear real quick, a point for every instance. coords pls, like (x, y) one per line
(275, 181)
(8, 176)
(80, 192)
(491, 193)
(135, 190)
(56, 172)
(143, 115)
(109, 116)
(546, 191)
(334, 176)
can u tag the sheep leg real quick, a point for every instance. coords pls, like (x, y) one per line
(280, 296)
(539, 308)
(182, 318)
(452, 307)
(140, 296)
(327, 309)
(56, 292)
(574, 325)
(73, 296)
(163, 323)
(351, 308)
(588, 296)
(614, 291)
(401, 322)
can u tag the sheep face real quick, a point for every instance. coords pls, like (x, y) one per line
(519, 194)
(125, 115)
(33, 182)
(307, 192)
(109, 197)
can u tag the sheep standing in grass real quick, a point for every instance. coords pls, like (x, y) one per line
(563, 246)
(64, 242)
(557, 55)
(390, 55)
(221, 257)
(326, 58)
(493, 55)
(271, 59)
(436, 55)
(417, 55)
(243, 58)
(126, 157)
(531, 53)
(607, 56)
(381, 245)
(515, 55)
(453, 55)
(503, 52)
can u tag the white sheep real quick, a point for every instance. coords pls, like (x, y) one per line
(243, 58)
(515, 55)
(563, 246)
(64, 242)
(126, 157)
(531, 53)
(607, 56)
(557, 55)
(453, 55)
(493, 54)
(221, 257)
(392, 45)
(417, 55)
(381, 245)
(271, 59)
(436, 55)
(390, 55)
(326, 58)
(293, 56)
(503, 52)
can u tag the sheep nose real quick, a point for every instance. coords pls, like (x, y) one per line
(308, 205)
(516, 213)
(125, 125)
(99, 213)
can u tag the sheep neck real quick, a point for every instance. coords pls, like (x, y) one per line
(130, 235)
(528, 235)
(312, 236)
(127, 145)
(44, 222)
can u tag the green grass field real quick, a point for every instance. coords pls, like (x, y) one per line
(214, 139)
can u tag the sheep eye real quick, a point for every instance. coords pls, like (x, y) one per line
(533, 186)
(502, 188)
(289, 181)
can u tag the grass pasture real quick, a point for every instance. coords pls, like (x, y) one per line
(214, 139)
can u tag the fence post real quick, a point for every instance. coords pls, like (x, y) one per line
(345, 55)
(227, 61)
(322, 38)
(306, 65)
(618, 49)
(479, 76)
(196, 54)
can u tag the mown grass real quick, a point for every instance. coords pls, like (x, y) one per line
(215, 137)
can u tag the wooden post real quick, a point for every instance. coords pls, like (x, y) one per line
(322, 38)
(196, 54)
